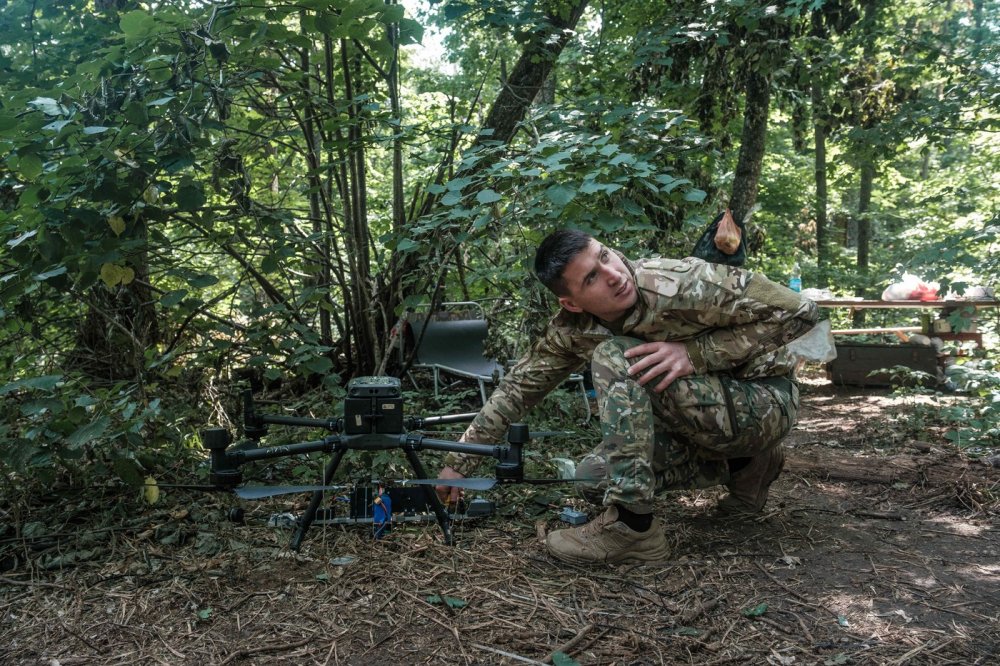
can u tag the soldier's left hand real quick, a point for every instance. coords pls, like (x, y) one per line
(665, 361)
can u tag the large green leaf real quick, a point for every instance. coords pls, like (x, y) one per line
(45, 383)
(89, 432)
(560, 194)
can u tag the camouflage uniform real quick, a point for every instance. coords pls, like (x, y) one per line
(739, 401)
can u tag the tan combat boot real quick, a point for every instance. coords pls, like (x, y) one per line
(748, 487)
(606, 540)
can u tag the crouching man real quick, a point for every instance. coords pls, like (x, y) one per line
(693, 386)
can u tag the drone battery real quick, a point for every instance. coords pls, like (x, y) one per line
(362, 501)
(408, 501)
(373, 405)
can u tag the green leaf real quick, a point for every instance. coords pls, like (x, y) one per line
(560, 194)
(128, 470)
(392, 13)
(756, 611)
(161, 101)
(488, 197)
(410, 32)
(95, 129)
(201, 281)
(30, 166)
(205, 613)
(20, 239)
(49, 274)
(451, 601)
(89, 432)
(57, 125)
(48, 106)
(563, 659)
(327, 22)
(190, 196)
(172, 298)
(44, 383)
(318, 365)
(696, 196)
(136, 24)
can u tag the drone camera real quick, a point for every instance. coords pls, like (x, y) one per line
(373, 405)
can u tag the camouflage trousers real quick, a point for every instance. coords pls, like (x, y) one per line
(680, 438)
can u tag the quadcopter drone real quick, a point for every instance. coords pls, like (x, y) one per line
(373, 420)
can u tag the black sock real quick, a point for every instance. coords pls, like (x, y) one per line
(639, 522)
(736, 464)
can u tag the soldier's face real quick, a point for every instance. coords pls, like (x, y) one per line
(599, 283)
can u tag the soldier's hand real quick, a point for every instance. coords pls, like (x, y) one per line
(449, 495)
(664, 360)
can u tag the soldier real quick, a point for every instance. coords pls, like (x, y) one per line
(693, 383)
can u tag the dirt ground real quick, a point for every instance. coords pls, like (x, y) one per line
(878, 546)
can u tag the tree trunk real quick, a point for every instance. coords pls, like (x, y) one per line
(120, 324)
(530, 71)
(819, 136)
(864, 233)
(747, 176)
(932, 469)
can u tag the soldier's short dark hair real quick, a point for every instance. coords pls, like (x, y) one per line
(553, 255)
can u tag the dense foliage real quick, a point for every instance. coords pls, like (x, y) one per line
(196, 193)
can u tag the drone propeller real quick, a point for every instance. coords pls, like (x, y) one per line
(262, 492)
(486, 484)
(469, 484)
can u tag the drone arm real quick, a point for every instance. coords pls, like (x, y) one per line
(418, 442)
(418, 422)
(247, 455)
(255, 424)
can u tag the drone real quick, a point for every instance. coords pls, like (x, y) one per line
(373, 420)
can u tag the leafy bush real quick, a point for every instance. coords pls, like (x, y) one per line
(54, 425)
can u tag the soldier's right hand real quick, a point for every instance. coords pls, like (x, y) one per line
(449, 495)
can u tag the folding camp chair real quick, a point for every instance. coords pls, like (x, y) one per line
(452, 339)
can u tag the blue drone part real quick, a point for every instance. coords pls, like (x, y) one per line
(382, 514)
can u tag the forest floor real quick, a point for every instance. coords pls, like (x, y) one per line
(878, 546)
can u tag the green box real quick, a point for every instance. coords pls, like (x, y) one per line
(856, 362)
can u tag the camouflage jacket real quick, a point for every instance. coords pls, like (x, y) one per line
(731, 320)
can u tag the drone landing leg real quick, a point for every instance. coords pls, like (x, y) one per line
(431, 496)
(310, 515)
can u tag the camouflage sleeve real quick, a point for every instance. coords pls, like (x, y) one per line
(755, 318)
(549, 362)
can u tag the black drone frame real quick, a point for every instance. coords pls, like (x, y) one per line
(373, 420)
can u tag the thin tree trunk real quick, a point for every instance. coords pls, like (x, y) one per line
(747, 176)
(321, 270)
(819, 139)
(864, 233)
(530, 71)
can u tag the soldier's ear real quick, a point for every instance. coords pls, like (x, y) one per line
(568, 303)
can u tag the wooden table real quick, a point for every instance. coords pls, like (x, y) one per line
(945, 306)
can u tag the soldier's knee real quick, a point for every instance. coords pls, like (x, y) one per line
(612, 351)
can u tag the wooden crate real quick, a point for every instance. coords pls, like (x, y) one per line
(856, 362)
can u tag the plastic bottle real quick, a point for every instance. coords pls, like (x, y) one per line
(795, 279)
